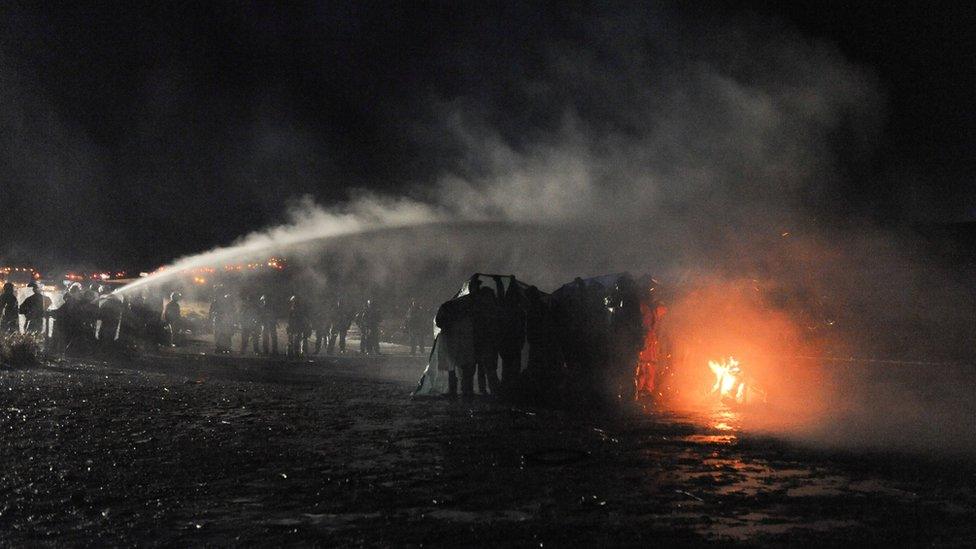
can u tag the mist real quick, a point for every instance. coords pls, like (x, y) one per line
(710, 155)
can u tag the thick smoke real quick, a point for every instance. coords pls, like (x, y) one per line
(709, 155)
(656, 141)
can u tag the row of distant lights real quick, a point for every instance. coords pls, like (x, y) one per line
(199, 273)
(34, 274)
(94, 276)
(274, 263)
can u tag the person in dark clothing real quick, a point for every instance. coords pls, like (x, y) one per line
(544, 361)
(485, 323)
(455, 321)
(67, 321)
(109, 316)
(360, 320)
(571, 317)
(33, 310)
(269, 327)
(417, 326)
(132, 330)
(342, 319)
(173, 319)
(372, 319)
(625, 337)
(322, 324)
(363, 321)
(250, 323)
(297, 328)
(89, 314)
(9, 315)
(153, 316)
(511, 335)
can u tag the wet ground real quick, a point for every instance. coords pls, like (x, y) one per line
(193, 450)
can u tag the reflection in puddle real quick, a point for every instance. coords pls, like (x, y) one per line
(730, 484)
(724, 419)
(709, 439)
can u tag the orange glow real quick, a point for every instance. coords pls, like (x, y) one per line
(725, 340)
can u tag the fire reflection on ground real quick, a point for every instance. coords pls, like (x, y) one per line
(706, 463)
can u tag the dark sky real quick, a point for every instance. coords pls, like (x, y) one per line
(135, 134)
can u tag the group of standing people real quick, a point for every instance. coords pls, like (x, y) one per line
(590, 339)
(85, 316)
(311, 327)
(480, 328)
(93, 315)
(32, 309)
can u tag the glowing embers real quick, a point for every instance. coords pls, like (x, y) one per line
(731, 384)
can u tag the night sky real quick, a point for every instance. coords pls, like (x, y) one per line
(135, 134)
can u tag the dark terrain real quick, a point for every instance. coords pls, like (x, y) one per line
(194, 450)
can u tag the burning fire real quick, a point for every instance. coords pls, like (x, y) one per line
(727, 382)
(730, 382)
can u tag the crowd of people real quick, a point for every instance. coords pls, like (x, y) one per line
(82, 318)
(98, 317)
(587, 337)
(311, 327)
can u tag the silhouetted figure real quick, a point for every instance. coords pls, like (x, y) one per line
(456, 341)
(173, 319)
(321, 319)
(153, 316)
(485, 323)
(370, 325)
(133, 328)
(250, 323)
(89, 315)
(540, 334)
(342, 318)
(297, 328)
(417, 326)
(511, 334)
(572, 328)
(626, 337)
(9, 315)
(110, 311)
(33, 310)
(269, 327)
(67, 319)
(649, 359)
(363, 330)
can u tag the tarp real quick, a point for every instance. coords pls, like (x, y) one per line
(582, 323)
(434, 381)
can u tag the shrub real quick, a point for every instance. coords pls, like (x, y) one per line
(19, 350)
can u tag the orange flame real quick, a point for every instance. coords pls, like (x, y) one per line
(730, 382)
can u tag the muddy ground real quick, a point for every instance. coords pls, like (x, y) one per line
(194, 450)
